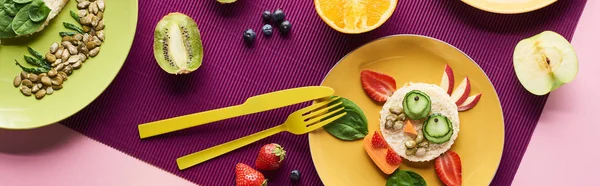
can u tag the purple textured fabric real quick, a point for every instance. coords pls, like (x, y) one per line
(232, 72)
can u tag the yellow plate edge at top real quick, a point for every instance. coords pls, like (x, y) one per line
(509, 8)
(310, 141)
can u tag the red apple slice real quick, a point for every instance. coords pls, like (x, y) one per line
(448, 80)
(462, 92)
(469, 103)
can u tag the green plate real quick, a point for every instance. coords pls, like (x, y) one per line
(83, 86)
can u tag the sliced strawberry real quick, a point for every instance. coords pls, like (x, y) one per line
(449, 168)
(392, 158)
(378, 141)
(377, 85)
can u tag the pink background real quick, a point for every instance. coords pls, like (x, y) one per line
(561, 151)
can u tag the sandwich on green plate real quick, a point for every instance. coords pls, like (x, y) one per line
(21, 18)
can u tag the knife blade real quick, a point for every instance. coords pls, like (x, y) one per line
(255, 104)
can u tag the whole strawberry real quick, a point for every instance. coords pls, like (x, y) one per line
(270, 157)
(247, 176)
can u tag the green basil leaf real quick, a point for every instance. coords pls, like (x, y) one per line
(352, 126)
(417, 179)
(11, 7)
(38, 11)
(22, 1)
(399, 178)
(22, 25)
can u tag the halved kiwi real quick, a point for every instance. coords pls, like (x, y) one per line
(177, 44)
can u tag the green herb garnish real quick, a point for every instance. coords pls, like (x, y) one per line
(75, 16)
(63, 34)
(352, 126)
(35, 70)
(73, 27)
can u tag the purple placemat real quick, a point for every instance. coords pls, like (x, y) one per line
(232, 71)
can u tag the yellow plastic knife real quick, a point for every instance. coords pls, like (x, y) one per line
(259, 103)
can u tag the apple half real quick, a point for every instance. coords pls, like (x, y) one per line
(448, 80)
(545, 62)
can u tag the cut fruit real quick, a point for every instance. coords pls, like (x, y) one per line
(416, 104)
(409, 129)
(469, 103)
(377, 85)
(392, 158)
(545, 62)
(226, 1)
(448, 80)
(448, 167)
(177, 45)
(357, 16)
(378, 141)
(462, 91)
(378, 155)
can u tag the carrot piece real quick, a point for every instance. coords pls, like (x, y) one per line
(409, 128)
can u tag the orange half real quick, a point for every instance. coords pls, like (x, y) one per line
(355, 16)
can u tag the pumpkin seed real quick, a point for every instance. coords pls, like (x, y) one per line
(46, 81)
(73, 59)
(95, 52)
(57, 62)
(63, 75)
(68, 69)
(78, 37)
(35, 88)
(82, 13)
(59, 52)
(49, 90)
(77, 65)
(40, 94)
(17, 81)
(82, 57)
(90, 45)
(60, 66)
(421, 152)
(83, 4)
(57, 87)
(53, 48)
(50, 57)
(398, 125)
(100, 15)
(100, 35)
(42, 75)
(94, 7)
(424, 144)
(32, 77)
(86, 37)
(101, 5)
(87, 20)
(396, 110)
(419, 138)
(391, 118)
(57, 80)
(23, 75)
(410, 151)
(65, 55)
(65, 38)
(410, 144)
(389, 124)
(100, 25)
(83, 49)
(25, 90)
(86, 28)
(27, 83)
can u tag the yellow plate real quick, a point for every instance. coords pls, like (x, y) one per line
(83, 86)
(509, 6)
(417, 59)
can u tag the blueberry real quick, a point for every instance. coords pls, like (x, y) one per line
(295, 175)
(285, 27)
(278, 15)
(249, 35)
(267, 29)
(266, 15)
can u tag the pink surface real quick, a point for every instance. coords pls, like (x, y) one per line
(56, 155)
(563, 149)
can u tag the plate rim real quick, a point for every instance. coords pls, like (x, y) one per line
(112, 78)
(509, 11)
(425, 37)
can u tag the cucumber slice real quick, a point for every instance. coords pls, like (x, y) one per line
(439, 140)
(437, 129)
(416, 104)
(437, 125)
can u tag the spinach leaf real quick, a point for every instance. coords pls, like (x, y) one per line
(399, 178)
(11, 7)
(417, 179)
(22, 25)
(22, 1)
(5, 21)
(38, 11)
(350, 127)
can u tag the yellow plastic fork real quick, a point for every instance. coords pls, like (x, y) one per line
(300, 122)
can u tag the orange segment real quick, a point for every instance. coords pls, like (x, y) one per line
(355, 16)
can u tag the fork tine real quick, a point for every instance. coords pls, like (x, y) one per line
(325, 122)
(306, 110)
(321, 111)
(319, 118)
